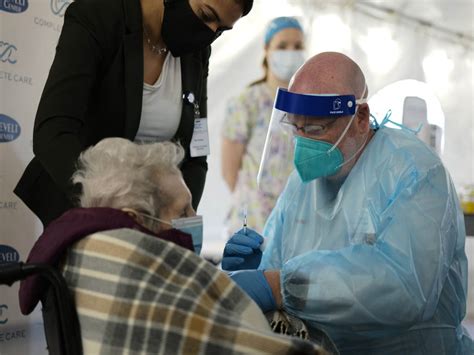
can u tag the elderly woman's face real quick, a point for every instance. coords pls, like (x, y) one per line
(179, 197)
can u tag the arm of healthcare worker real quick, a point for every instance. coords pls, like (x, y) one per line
(236, 129)
(262, 286)
(231, 161)
(194, 170)
(395, 281)
(60, 118)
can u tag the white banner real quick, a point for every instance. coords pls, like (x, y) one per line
(29, 33)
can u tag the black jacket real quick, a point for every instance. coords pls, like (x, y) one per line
(94, 90)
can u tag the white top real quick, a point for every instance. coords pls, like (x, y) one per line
(162, 104)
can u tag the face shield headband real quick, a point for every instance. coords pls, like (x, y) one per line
(326, 105)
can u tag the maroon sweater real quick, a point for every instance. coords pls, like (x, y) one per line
(71, 227)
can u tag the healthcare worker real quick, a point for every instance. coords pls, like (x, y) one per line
(367, 239)
(134, 69)
(246, 122)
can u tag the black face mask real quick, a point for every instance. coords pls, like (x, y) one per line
(182, 30)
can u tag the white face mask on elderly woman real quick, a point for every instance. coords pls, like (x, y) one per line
(284, 63)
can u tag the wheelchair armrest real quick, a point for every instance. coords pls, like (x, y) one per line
(12, 272)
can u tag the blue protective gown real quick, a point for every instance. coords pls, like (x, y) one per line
(378, 262)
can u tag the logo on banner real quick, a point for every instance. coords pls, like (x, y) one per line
(336, 105)
(7, 52)
(58, 7)
(14, 6)
(8, 254)
(8, 205)
(3, 316)
(9, 129)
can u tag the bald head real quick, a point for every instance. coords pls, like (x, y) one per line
(329, 73)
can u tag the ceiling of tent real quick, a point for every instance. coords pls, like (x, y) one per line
(453, 15)
(451, 19)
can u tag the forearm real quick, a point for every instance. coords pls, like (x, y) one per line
(230, 179)
(353, 286)
(232, 154)
(273, 279)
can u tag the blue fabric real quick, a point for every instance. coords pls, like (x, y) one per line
(278, 24)
(254, 283)
(194, 227)
(377, 261)
(242, 251)
(315, 105)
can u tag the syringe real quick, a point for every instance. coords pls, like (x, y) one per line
(244, 212)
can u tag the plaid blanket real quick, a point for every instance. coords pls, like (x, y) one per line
(138, 294)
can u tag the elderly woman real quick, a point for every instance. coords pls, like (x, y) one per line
(137, 284)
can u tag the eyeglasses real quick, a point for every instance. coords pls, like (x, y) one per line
(309, 129)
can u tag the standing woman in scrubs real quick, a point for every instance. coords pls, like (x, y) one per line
(135, 69)
(246, 124)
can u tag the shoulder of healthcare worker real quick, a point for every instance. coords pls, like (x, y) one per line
(250, 94)
(105, 19)
(404, 143)
(242, 112)
(405, 168)
(398, 152)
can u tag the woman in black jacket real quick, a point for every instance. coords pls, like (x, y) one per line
(135, 69)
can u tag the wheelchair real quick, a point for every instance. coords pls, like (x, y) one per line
(61, 323)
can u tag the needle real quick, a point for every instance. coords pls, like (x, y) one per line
(245, 218)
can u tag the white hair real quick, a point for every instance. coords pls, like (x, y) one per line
(118, 173)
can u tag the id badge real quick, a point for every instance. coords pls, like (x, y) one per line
(199, 146)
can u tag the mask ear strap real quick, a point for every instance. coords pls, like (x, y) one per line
(154, 218)
(131, 212)
(357, 152)
(134, 214)
(343, 133)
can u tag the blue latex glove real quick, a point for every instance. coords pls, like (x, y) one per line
(242, 251)
(254, 283)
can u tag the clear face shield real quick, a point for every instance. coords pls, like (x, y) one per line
(294, 112)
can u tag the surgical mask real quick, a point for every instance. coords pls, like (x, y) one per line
(182, 30)
(190, 225)
(314, 158)
(284, 63)
(193, 226)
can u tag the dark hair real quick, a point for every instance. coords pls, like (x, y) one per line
(246, 6)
